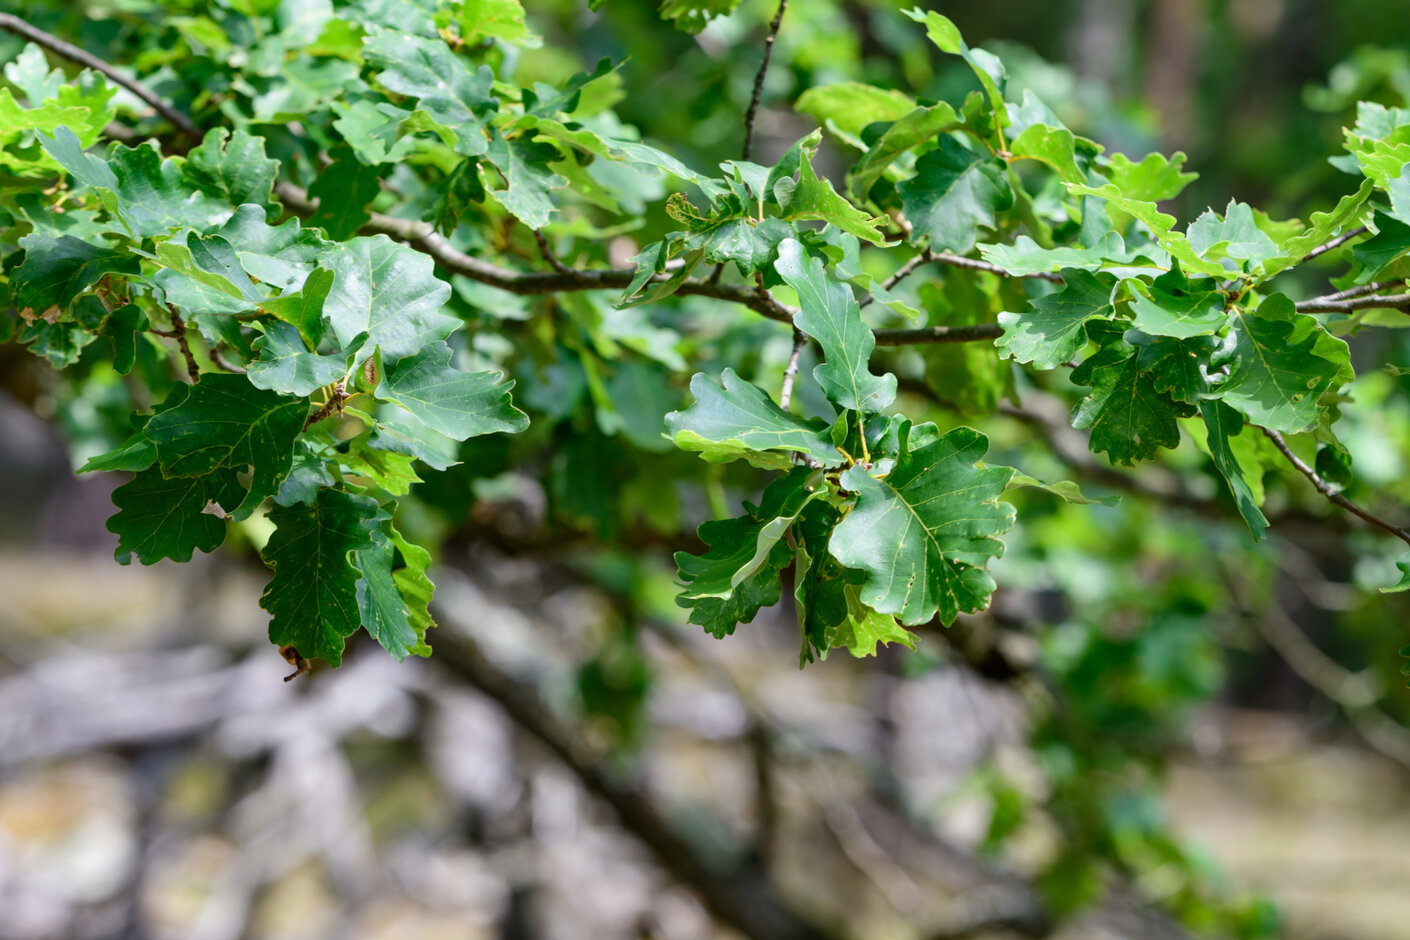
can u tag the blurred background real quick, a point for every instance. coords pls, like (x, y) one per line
(1160, 730)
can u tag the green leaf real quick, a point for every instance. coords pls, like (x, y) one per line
(1054, 146)
(382, 609)
(300, 86)
(500, 19)
(740, 547)
(225, 422)
(1160, 225)
(926, 532)
(121, 329)
(915, 127)
(388, 291)
(810, 198)
(1051, 333)
(233, 168)
(846, 108)
(1066, 490)
(146, 192)
(695, 15)
(739, 420)
(1403, 563)
(986, 67)
(1175, 307)
(286, 365)
(312, 597)
(1235, 236)
(1155, 179)
(1025, 257)
(954, 193)
(529, 183)
(1388, 245)
(1280, 363)
(458, 404)
(830, 315)
(398, 431)
(1223, 424)
(863, 629)
(1325, 225)
(161, 518)
(1129, 417)
(443, 83)
(344, 190)
(57, 269)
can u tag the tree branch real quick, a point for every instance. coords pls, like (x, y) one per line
(1334, 243)
(938, 334)
(974, 264)
(1328, 491)
(1330, 304)
(13, 24)
(741, 898)
(759, 80)
(178, 332)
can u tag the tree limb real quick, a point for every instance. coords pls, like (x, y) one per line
(1328, 491)
(13, 24)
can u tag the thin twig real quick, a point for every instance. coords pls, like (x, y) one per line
(930, 335)
(11, 23)
(759, 80)
(800, 339)
(1387, 301)
(221, 362)
(1328, 491)
(178, 333)
(1334, 243)
(901, 273)
(548, 254)
(1372, 288)
(974, 264)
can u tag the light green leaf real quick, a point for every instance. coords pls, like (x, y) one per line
(458, 404)
(846, 108)
(915, 127)
(1155, 179)
(1223, 424)
(739, 420)
(1172, 306)
(1051, 333)
(388, 291)
(830, 315)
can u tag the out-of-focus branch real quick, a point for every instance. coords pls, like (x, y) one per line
(753, 111)
(1327, 490)
(742, 899)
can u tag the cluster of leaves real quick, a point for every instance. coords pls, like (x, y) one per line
(337, 346)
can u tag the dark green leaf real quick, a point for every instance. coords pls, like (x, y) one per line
(955, 192)
(925, 533)
(1051, 333)
(166, 518)
(458, 404)
(1224, 423)
(312, 598)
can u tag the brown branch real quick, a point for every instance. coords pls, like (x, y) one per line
(1326, 489)
(901, 273)
(13, 24)
(740, 898)
(221, 362)
(548, 254)
(759, 80)
(927, 335)
(1334, 243)
(1399, 302)
(178, 333)
(425, 239)
(974, 264)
